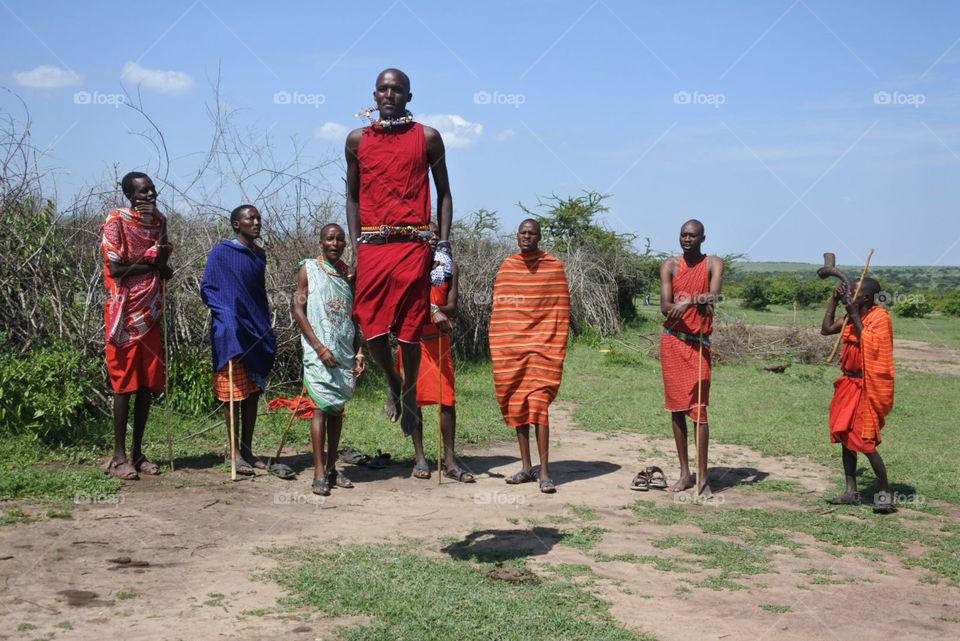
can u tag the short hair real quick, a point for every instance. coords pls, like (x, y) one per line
(870, 287)
(235, 214)
(126, 183)
(404, 77)
(530, 220)
(323, 230)
(694, 221)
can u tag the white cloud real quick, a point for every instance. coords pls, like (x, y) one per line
(506, 134)
(155, 79)
(47, 77)
(332, 131)
(457, 132)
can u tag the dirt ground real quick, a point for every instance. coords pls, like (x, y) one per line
(921, 356)
(175, 558)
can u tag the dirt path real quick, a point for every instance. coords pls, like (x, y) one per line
(178, 562)
(922, 356)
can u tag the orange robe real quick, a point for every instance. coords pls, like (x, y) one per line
(528, 336)
(436, 359)
(680, 359)
(860, 405)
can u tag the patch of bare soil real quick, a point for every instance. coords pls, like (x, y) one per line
(169, 563)
(922, 356)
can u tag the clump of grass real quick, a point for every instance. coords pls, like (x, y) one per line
(583, 538)
(54, 484)
(13, 515)
(776, 609)
(125, 595)
(411, 597)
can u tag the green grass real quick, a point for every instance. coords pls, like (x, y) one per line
(776, 609)
(412, 597)
(782, 415)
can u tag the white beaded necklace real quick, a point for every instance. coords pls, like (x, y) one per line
(385, 123)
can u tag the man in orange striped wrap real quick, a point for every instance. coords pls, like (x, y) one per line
(528, 342)
(689, 291)
(863, 395)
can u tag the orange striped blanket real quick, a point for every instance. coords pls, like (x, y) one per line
(528, 336)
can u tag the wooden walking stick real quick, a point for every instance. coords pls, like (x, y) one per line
(439, 406)
(696, 427)
(233, 444)
(166, 371)
(279, 469)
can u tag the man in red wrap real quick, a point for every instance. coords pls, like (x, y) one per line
(135, 252)
(863, 395)
(689, 291)
(388, 212)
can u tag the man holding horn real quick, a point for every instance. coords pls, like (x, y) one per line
(689, 291)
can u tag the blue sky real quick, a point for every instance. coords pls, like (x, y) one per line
(790, 127)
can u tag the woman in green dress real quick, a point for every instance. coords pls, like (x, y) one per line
(332, 356)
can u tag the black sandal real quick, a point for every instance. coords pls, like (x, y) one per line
(421, 471)
(641, 482)
(847, 498)
(547, 486)
(656, 478)
(460, 475)
(883, 503)
(520, 477)
(339, 479)
(321, 487)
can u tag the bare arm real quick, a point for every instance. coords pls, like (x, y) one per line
(353, 188)
(830, 325)
(300, 314)
(436, 156)
(670, 309)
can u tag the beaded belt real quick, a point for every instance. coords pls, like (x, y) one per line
(689, 338)
(395, 234)
(858, 374)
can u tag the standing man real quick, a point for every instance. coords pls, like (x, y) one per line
(388, 209)
(435, 383)
(863, 395)
(135, 252)
(528, 342)
(234, 287)
(689, 291)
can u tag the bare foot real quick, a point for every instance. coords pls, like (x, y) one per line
(392, 407)
(683, 483)
(704, 492)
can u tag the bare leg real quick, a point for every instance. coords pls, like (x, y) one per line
(543, 450)
(448, 422)
(249, 421)
(880, 470)
(121, 412)
(850, 469)
(317, 434)
(334, 428)
(523, 439)
(141, 412)
(383, 357)
(685, 480)
(417, 437)
(410, 418)
(703, 482)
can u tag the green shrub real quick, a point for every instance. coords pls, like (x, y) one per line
(913, 307)
(755, 293)
(191, 382)
(45, 392)
(951, 306)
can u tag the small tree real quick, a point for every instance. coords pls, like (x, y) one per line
(755, 293)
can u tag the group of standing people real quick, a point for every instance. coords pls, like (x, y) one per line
(405, 284)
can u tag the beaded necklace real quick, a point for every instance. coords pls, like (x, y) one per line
(386, 123)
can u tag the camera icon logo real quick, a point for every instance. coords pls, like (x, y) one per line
(482, 98)
(282, 98)
(82, 98)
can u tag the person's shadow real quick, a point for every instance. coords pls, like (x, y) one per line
(488, 546)
(563, 471)
(722, 478)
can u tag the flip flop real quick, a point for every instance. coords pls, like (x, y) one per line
(421, 471)
(460, 475)
(883, 503)
(656, 478)
(520, 477)
(845, 499)
(282, 471)
(547, 486)
(244, 468)
(354, 456)
(641, 482)
(321, 487)
(122, 470)
(146, 467)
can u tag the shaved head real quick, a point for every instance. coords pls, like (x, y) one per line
(530, 220)
(323, 232)
(397, 74)
(870, 288)
(696, 224)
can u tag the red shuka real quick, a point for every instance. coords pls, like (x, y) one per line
(393, 285)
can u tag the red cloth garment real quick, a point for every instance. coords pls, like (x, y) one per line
(393, 286)
(138, 364)
(680, 359)
(304, 409)
(860, 405)
(436, 360)
(394, 176)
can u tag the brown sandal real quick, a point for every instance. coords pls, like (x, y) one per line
(146, 467)
(122, 470)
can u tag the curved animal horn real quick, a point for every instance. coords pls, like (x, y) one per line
(830, 269)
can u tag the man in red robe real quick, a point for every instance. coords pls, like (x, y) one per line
(863, 395)
(135, 252)
(689, 290)
(388, 212)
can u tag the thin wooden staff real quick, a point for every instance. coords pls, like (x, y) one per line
(696, 427)
(233, 444)
(166, 372)
(846, 318)
(439, 406)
